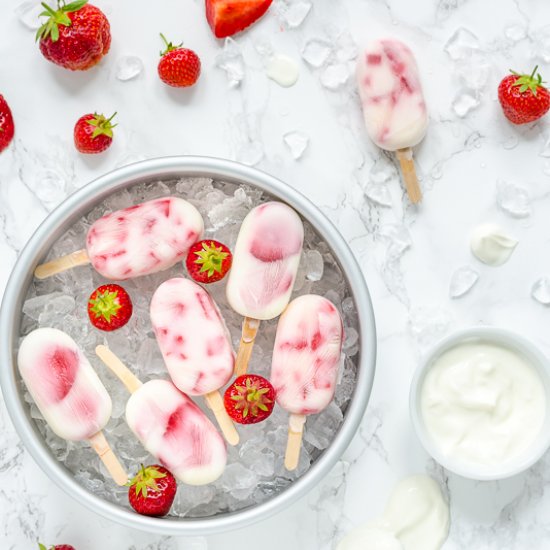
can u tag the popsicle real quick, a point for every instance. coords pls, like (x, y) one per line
(138, 240)
(305, 363)
(195, 344)
(68, 392)
(265, 263)
(393, 104)
(170, 426)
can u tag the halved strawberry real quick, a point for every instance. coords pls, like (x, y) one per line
(227, 17)
(208, 261)
(250, 399)
(56, 547)
(152, 491)
(109, 307)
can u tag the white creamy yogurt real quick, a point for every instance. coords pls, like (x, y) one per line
(416, 518)
(483, 403)
(283, 70)
(490, 244)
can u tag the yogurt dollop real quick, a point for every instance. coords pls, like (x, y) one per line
(483, 403)
(416, 517)
(491, 245)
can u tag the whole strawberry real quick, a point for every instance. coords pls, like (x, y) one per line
(93, 133)
(56, 547)
(152, 491)
(7, 127)
(249, 399)
(523, 97)
(109, 307)
(208, 261)
(75, 36)
(178, 67)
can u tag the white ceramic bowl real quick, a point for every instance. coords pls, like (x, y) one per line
(504, 338)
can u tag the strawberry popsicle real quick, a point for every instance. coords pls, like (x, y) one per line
(68, 392)
(306, 356)
(195, 344)
(170, 426)
(265, 263)
(393, 103)
(138, 240)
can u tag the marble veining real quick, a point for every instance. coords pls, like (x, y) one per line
(474, 168)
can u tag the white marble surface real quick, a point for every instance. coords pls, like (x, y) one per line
(408, 255)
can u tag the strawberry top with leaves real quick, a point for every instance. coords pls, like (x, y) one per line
(152, 491)
(93, 133)
(75, 35)
(523, 97)
(249, 399)
(208, 261)
(7, 127)
(109, 307)
(56, 547)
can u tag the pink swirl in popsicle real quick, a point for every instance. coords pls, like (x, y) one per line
(391, 95)
(265, 261)
(192, 337)
(173, 429)
(63, 384)
(144, 238)
(306, 355)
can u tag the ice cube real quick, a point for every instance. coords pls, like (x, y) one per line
(429, 324)
(513, 199)
(541, 44)
(541, 291)
(28, 14)
(545, 151)
(352, 337)
(128, 67)
(474, 73)
(515, 33)
(378, 193)
(464, 103)
(462, 44)
(462, 281)
(296, 13)
(335, 76)
(510, 142)
(230, 60)
(297, 143)
(316, 52)
(315, 265)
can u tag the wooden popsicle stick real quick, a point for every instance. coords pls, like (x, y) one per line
(126, 376)
(43, 271)
(104, 451)
(250, 329)
(405, 157)
(294, 443)
(215, 401)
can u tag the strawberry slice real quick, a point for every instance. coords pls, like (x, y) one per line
(250, 399)
(56, 547)
(109, 307)
(152, 491)
(208, 261)
(227, 17)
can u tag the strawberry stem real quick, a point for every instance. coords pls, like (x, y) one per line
(169, 46)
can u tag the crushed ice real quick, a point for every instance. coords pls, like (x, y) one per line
(230, 60)
(128, 67)
(541, 291)
(316, 52)
(297, 143)
(255, 469)
(513, 199)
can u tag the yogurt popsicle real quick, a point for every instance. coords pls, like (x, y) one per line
(265, 263)
(306, 356)
(393, 103)
(68, 392)
(170, 426)
(138, 240)
(195, 344)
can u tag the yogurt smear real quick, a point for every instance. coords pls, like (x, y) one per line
(483, 403)
(416, 518)
(491, 245)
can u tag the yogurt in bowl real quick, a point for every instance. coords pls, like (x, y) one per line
(480, 403)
